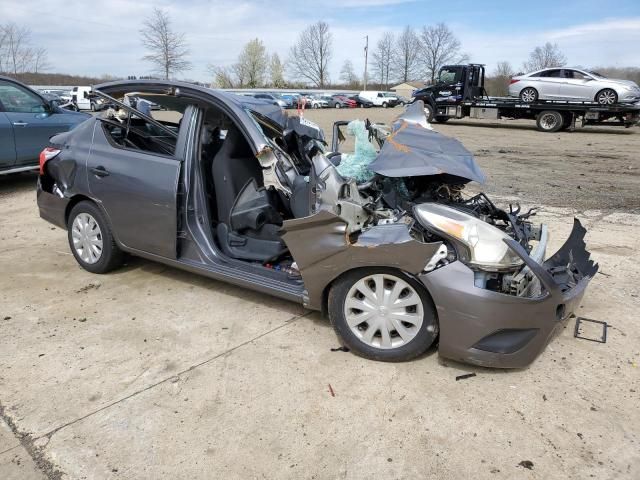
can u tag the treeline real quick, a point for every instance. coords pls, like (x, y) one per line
(61, 79)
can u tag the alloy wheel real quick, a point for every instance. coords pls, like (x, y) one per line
(607, 97)
(528, 95)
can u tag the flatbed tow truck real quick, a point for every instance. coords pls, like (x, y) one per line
(460, 93)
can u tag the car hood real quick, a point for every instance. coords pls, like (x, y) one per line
(413, 149)
(626, 83)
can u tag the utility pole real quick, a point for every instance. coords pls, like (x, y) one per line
(366, 54)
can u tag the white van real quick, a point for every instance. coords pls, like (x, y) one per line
(81, 97)
(380, 99)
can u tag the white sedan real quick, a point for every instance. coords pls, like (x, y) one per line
(572, 84)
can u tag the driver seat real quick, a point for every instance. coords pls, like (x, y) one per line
(248, 224)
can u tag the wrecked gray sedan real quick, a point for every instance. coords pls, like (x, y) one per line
(396, 254)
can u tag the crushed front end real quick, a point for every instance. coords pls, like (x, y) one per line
(508, 320)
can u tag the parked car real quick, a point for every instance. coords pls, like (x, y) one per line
(241, 192)
(272, 99)
(65, 95)
(380, 99)
(361, 102)
(573, 84)
(27, 121)
(317, 102)
(340, 101)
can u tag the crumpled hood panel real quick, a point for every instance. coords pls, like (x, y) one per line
(413, 149)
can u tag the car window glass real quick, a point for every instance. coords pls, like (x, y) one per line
(551, 74)
(575, 75)
(19, 100)
(133, 132)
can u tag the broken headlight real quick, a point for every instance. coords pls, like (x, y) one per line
(479, 244)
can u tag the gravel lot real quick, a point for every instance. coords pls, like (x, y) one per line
(151, 372)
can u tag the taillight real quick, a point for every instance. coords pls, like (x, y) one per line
(46, 155)
(513, 80)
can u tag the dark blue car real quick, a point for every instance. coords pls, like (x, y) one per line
(27, 121)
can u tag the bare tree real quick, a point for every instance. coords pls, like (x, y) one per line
(406, 55)
(40, 61)
(382, 59)
(440, 47)
(276, 72)
(253, 62)
(17, 53)
(498, 82)
(348, 74)
(546, 56)
(167, 49)
(223, 77)
(309, 57)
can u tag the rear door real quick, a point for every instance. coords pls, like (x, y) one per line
(32, 121)
(548, 83)
(136, 182)
(7, 146)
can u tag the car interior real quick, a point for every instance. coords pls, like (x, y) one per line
(245, 217)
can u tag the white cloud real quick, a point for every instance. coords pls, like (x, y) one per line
(86, 39)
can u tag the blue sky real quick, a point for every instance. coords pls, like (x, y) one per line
(84, 38)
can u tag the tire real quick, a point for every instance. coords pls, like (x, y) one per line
(94, 260)
(528, 95)
(337, 105)
(441, 119)
(428, 110)
(362, 105)
(381, 340)
(385, 104)
(93, 107)
(550, 121)
(315, 105)
(607, 96)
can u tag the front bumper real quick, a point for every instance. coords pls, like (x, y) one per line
(493, 329)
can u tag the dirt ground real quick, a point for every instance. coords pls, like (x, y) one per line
(151, 372)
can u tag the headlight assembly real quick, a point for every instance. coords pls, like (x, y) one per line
(482, 244)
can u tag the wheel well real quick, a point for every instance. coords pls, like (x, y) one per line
(602, 90)
(76, 199)
(325, 293)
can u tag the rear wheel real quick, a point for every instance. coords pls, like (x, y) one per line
(385, 104)
(607, 97)
(382, 314)
(528, 95)
(91, 240)
(550, 121)
(337, 105)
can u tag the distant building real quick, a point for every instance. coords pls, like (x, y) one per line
(406, 89)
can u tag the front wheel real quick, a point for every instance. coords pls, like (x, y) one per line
(337, 105)
(91, 240)
(607, 97)
(429, 111)
(385, 105)
(383, 314)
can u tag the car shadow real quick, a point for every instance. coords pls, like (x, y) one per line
(193, 280)
(18, 182)
(532, 126)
